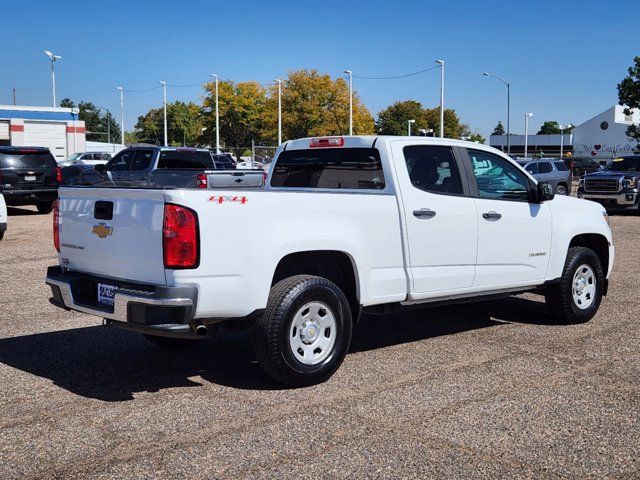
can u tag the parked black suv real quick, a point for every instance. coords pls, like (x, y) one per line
(29, 176)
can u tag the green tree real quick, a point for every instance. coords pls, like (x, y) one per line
(242, 108)
(629, 96)
(499, 130)
(393, 119)
(67, 103)
(476, 137)
(452, 126)
(184, 125)
(551, 127)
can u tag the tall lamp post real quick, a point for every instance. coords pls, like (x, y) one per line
(527, 116)
(279, 82)
(121, 114)
(562, 129)
(441, 63)
(53, 58)
(350, 73)
(487, 74)
(215, 76)
(164, 107)
(409, 122)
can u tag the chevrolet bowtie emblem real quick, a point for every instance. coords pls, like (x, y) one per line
(102, 230)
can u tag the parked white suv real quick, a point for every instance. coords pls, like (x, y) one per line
(345, 224)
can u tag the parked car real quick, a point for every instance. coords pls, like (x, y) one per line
(29, 176)
(580, 166)
(554, 172)
(224, 161)
(346, 224)
(145, 167)
(86, 158)
(615, 187)
(3, 217)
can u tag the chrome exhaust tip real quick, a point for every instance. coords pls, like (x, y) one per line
(201, 330)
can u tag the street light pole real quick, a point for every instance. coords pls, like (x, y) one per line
(562, 129)
(527, 116)
(409, 122)
(121, 114)
(215, 76)
(53, 58)
(279, 82)
(508, 85)
(164, 105)
(350, 73)
(441, 63)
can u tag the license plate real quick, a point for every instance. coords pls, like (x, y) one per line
(106, 294)
(29, 178)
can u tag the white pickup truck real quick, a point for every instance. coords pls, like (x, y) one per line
(345, 224)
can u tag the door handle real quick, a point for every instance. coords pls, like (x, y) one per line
(424, 213)
(491, 216)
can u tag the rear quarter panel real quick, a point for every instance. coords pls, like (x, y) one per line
(245, 235)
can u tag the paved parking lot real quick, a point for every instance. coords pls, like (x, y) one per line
(489, 390)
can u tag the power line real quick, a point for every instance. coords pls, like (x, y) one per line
(188, 85)
(143, 91)
(396, 76)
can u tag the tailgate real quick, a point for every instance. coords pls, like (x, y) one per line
(113, 233)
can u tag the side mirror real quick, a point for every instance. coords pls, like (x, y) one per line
(100, 168)
(545, 192)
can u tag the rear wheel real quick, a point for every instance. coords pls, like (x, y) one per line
(561, 189)
(577, 172)
(575, 298)
(305, 332)
(44, 207)
(171, 342)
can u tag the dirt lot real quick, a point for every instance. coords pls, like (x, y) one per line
(489, 390)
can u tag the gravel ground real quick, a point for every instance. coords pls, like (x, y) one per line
(493, 390)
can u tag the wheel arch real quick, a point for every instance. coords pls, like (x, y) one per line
(334, 265)
(596, 242)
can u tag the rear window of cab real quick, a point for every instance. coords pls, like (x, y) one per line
(329, 168)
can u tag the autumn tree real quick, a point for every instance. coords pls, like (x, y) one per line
(393, 119)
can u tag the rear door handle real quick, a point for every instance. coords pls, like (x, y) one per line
(491, 216)
(424, 213)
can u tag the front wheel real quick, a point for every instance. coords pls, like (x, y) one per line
(44, 207)
(305, 331)
(561, 190)
(575, 298)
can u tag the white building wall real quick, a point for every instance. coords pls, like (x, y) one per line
(604, 136)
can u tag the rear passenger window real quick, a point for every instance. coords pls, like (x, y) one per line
(335, 168)
(561, 166)
(532, 168)
(545, 167)
(433, 169)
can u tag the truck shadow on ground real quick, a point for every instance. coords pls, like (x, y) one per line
(21, 212)
(109, 364)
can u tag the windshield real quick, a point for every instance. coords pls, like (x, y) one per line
(74, 156)
(625, 164)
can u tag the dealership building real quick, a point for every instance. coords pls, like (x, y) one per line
(54, 127)
(601, 138)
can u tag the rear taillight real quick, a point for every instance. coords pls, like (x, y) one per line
(201, 180)
(56, 225)
(180, 237)
(59, 175)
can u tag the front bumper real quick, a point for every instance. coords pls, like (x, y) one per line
(621, 199)
(155, 310)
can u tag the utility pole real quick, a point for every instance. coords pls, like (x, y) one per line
(14, 96)
(214, 75)
(527, 116)
(279, 82)
(409, 122)
(441, 63)
(121, 114)
(164, 104)
(53, 58)
(350, 73)
(508, 85)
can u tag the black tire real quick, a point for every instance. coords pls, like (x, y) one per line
(577, 172)
(44, 207)
(271, 337)
(562, 189)
(171, 342)
(1, 235)
(559, 296)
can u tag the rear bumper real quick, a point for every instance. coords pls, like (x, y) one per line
(29, 197)
(155, 310)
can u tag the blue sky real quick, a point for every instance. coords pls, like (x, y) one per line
(563, 59)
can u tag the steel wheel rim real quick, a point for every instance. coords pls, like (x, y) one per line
(313, 332)
(583, 287)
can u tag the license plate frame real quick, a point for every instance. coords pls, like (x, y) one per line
(106, 294)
